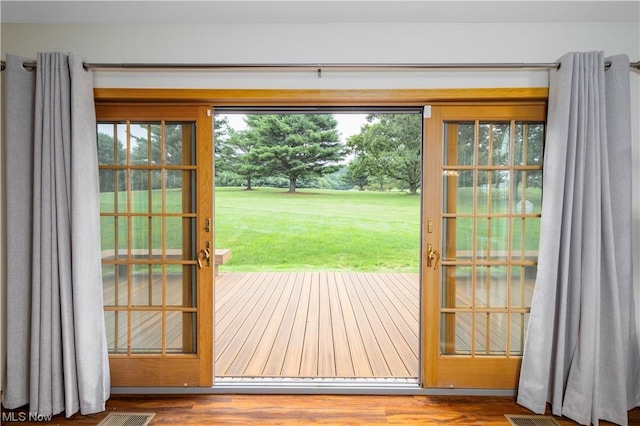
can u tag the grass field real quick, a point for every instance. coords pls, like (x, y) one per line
(269, 229)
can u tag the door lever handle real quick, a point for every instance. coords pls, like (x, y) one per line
(204, 255)
(433, 257)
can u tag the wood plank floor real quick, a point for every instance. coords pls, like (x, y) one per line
(315, 409)
(316, 324)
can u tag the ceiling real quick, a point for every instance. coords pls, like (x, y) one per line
(316, 11)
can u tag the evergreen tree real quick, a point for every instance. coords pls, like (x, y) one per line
(234, 155)
(294, 146)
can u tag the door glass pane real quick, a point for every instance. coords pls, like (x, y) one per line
(139, 144)
(148, 216)
(531, 238)
(459, 236)
(457, 331)
(181, 283)
(146, 283)
(490, 234)
(483, 241)
(458, 291)
(116, 326)
(108, 237)
(178, 185)
(462, 151)
(175, 152)
(490, 334)
(139, 230)
(518, 331)
(482, 192)
(483, 144)
(140, 191)
(529, 192)
(180, 332)
(528, 143)
(146, 332)
(156, 184)
(179, 238)
(459, 186)
(499, 239)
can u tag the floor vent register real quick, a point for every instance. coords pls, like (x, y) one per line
(520, 420)
(127, 419)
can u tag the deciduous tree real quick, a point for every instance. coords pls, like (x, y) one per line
(389, 145)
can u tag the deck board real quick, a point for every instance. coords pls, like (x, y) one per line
(243, 325)
(316, 324)
(275, 362)
(383, 329)
(342, 352)
(309, 361)
(256, 325)
(374, 353)
(326, 337)
(293, 355)
(271, 328)
(357, 350)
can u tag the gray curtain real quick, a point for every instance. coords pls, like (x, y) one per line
(581, 353)
(56, 341)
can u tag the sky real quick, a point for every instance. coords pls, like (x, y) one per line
(348, 124)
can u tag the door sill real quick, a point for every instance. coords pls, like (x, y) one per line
(313, 383)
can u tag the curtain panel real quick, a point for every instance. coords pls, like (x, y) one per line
(56, 341)
(581, 353)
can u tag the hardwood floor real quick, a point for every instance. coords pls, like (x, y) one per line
(317, 324)
(315, 409)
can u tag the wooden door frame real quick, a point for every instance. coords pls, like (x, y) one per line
(337, 97)
(317, 97)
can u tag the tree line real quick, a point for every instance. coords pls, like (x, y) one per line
(304, 150)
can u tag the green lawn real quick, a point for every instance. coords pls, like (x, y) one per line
(268, 229)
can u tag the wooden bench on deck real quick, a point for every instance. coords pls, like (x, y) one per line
(221, 256)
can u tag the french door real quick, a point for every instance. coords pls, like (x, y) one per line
(156, 229)
(482, 175)
(482, 193)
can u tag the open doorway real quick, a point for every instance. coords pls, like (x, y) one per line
(317, 238)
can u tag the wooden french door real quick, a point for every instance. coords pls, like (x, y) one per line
(156, 189)
(482, 203)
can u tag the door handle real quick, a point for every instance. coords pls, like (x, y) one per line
(204, 255)
(433, 257)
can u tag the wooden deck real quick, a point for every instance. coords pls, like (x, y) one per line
(312, 324)
(316, 324)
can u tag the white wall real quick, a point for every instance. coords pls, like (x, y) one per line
(325, 43)
(318, 43)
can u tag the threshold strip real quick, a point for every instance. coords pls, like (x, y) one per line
(319, 382)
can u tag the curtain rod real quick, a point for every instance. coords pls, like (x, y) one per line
(319, 67)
